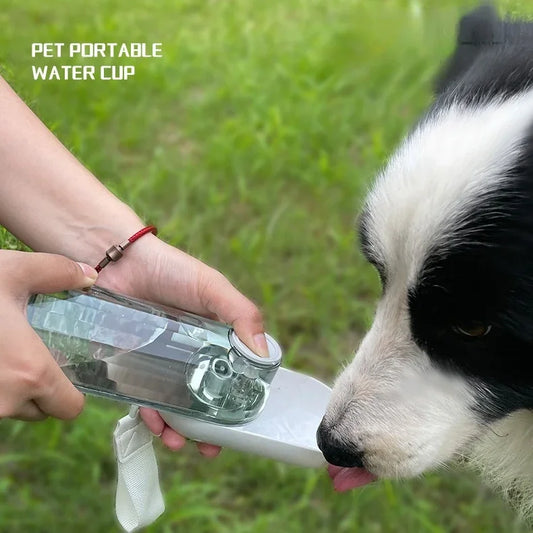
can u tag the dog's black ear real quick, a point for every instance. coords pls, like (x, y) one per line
(481, 27)
(477, 30)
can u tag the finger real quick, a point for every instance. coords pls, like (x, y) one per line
(29, 372)
(172, 440)
(29, 412)
(53, 393)
(220, 297)
(208, 450)
(39, 272)
(153, 420)
(157, 426)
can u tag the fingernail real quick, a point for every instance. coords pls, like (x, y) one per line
(260, 344)
(89, 273)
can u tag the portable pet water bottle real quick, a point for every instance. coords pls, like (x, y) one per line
(204, 380)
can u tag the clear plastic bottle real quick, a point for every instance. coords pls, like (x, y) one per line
(120, 347)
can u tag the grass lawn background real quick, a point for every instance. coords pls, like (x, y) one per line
(250, 144)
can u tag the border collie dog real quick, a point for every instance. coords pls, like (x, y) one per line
(446, 370)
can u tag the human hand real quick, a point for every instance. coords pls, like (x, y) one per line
(154, 271)
(32, 386)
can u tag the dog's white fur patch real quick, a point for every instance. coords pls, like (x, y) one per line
(405, 413)
(504, 456)
(452, 159)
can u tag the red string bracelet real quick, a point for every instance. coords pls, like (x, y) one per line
(117, 250)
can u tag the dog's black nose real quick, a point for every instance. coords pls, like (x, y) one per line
(335, 451)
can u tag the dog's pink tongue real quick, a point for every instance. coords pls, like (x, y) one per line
(346, 478)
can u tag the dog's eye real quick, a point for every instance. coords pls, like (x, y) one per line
(473, 329)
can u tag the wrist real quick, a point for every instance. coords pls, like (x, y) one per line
(116, 252)
(86, 241)
(134, 273)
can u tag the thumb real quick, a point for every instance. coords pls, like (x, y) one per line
(41, 272)
(220, 297)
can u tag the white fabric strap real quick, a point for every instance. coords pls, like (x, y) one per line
(139, 500)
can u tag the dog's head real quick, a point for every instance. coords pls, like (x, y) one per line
(449, 227)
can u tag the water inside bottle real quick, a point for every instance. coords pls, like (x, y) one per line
(125, 349)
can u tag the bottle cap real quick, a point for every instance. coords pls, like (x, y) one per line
(274, 351)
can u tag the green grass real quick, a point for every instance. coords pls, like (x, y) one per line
(250, 144)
